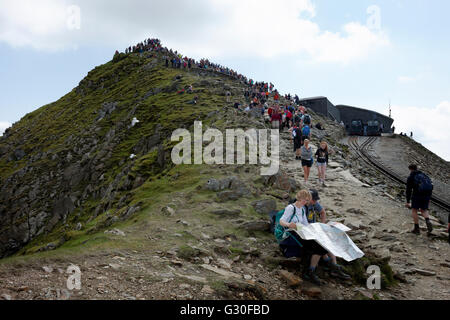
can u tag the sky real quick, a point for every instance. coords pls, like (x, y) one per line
(356, 52)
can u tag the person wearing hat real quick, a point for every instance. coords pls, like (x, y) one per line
(314, 210)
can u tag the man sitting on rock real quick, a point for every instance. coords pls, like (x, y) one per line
(314, 212)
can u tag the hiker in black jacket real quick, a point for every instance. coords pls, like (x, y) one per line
(418, 194)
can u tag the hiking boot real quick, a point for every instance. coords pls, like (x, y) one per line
(336, 271)
(429, 226)
(415, 231)
(312, 277)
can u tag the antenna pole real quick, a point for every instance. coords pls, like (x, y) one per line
(390, 111)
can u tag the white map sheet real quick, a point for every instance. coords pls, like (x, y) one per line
(332, 238)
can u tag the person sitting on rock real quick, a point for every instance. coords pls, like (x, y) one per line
(314, 213)
(294, 246)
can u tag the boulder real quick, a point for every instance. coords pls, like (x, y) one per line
(226, 213)
(116, 232)
(291, 279)
(281, 181)
(265, 206)
(311, 291)
(228, 195)
(260, 225)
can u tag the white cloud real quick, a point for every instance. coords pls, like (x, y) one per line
(4, 126)
(427, 124)
(408, 79)
(212, 28)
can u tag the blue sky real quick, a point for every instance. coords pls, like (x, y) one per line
(308, 47)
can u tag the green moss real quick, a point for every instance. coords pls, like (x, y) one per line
(357, 269)
(187, 252)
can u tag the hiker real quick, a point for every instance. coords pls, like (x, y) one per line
(419, 189)
(322, 161)
(297, 137)
(306, 132)
(294, 216)
(307, 159)
(288, 118)
(275, 118)
(307, 119)
(298, 119)
(314, 210)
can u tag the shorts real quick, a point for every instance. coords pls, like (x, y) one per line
(307, 163)
(321, 164)
(291, 248)
(421, 201)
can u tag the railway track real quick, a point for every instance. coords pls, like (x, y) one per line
(362, 151)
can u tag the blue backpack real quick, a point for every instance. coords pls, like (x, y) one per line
(423, 182)
(306, 131)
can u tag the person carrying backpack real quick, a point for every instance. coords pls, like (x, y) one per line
(306, 132)
(419, 189)
(307, 119)
(297, 119)
(297, 136)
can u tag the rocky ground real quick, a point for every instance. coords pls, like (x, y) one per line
(190, 249)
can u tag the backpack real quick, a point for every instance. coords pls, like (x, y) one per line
(278, 230)
(297, 133)
(423, 182)
(307, 119)
(306, 131)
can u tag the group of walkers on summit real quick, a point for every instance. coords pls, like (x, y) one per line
(177, 60)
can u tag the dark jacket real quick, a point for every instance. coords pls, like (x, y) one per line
(411, 186)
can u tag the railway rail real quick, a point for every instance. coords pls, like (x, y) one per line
(362, 151)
